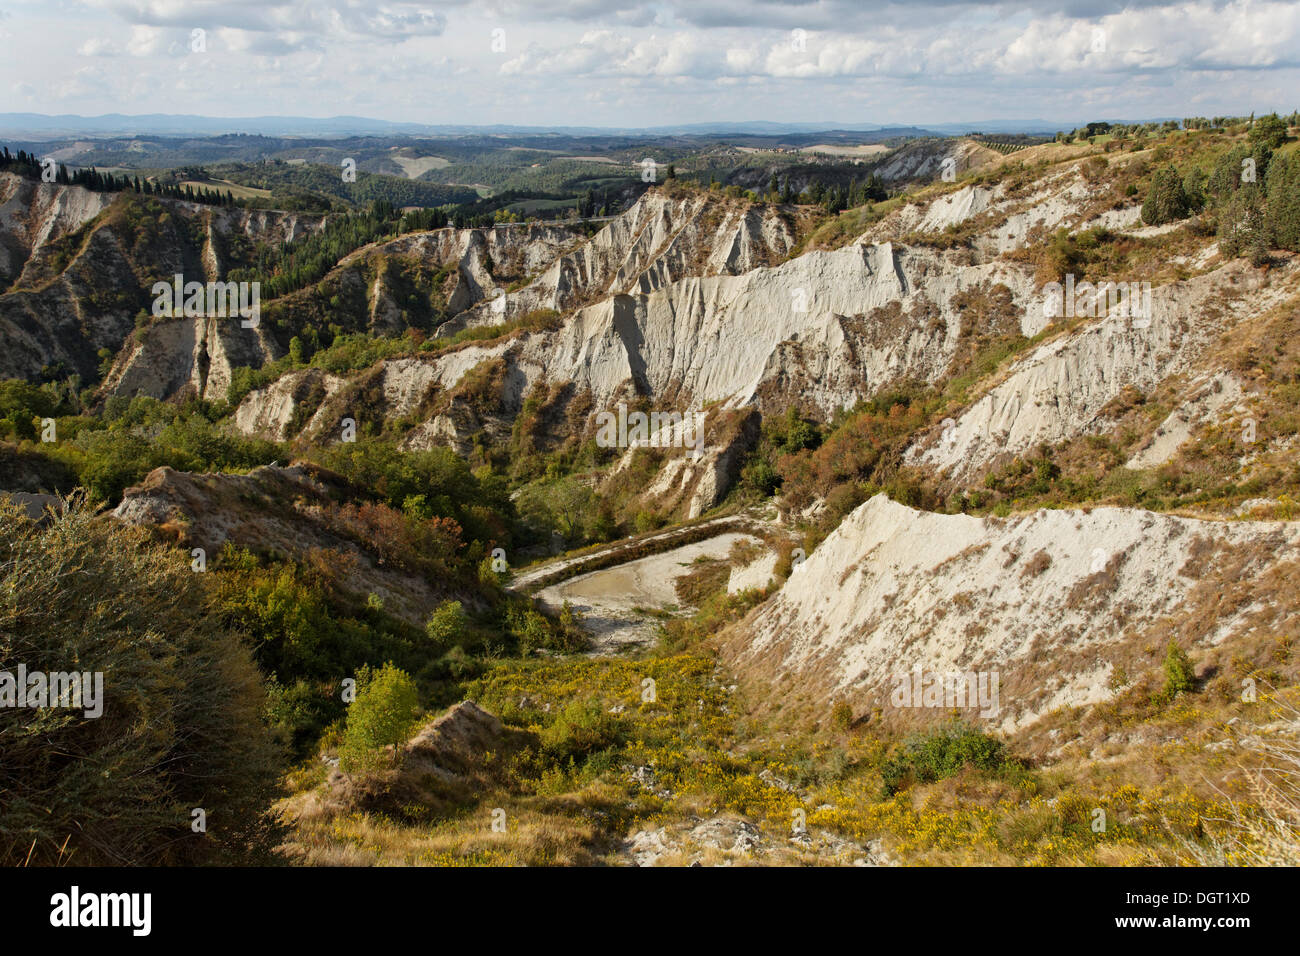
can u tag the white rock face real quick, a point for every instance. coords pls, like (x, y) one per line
(33, 214)
(1059, 389)
(198, 353)
(759, 573)
(91, 303)
(658, 241)
(926, 160)
(1044, 598)
(1209, 399)
(266, 412)
(522, 249)
(803, 328)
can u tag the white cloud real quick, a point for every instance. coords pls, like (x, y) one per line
(148, 41)
(661, 61)
(98, 46)
(1242, 35)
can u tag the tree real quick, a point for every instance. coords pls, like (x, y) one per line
(383, 714)
(1243, 224)
(1166, 201)
(1283, 215)
(571, 500)
(1269, 131)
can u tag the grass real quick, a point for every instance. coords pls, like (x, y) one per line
(575, 795)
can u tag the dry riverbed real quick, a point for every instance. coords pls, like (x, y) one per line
(617, 603)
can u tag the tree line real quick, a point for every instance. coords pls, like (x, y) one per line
(27, 164)
(1252, 195)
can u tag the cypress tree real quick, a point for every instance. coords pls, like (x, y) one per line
(1283, 214)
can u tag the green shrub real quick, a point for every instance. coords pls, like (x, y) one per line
(1180, 676)
(582, 729)
(446, 623)
(842, 715)
(942, 753)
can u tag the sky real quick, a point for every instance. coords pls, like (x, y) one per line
(627, 63)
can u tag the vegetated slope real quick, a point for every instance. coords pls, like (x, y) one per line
(828, 328)
(307, 514)
(927, 309)
(691, 298)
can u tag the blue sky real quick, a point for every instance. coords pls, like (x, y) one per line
(630, 63)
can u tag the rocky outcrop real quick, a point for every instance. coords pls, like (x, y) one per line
(486, 261)
(1060, 389)
(658, 241)
(195, 356)
(277, 510)
(77, 293)
(295, 398)
(1059, 604)
(822, 331)
(702, 459)
(32, 214)
(927, 160)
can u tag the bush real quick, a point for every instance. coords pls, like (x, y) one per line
(383, 714)
(1180, 676)
(942, 753)
(446, 623)
(580, 730)
(182, 725)
(842, 715)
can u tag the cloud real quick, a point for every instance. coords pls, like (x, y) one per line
(294, 24)
(1242, 35)
(148, 41)
(609, 61)
(98, 46)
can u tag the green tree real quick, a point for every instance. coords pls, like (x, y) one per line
(1180, 677)
(1166, 201)
(446, 623)
(383, 714)
(1283, 209)
(1269, 131)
